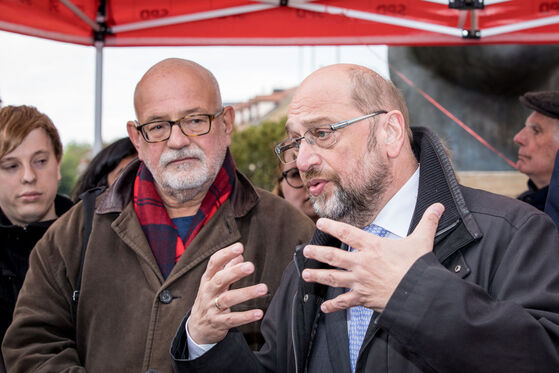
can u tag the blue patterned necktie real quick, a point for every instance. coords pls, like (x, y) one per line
(359, 316)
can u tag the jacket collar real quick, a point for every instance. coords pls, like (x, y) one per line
(438, 183)
(243, 198)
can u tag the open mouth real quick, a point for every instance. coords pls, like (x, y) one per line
(316, 186)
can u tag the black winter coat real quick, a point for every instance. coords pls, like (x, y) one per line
(16, 243)
(485, 300)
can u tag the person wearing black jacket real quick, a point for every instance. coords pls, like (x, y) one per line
(472, 289)
(30, 155)
(552, 203)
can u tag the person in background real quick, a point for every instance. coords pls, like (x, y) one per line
(153, 234)
(290, 186)
(30, 155)
(408, 271)
(552, 203)
(538, 142)
(106, 166)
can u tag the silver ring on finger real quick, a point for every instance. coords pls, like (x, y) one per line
(217, 305)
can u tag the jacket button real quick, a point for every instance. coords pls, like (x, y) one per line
(306, 298)
(165, 297)
(457, 268)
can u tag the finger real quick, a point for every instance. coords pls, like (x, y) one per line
(350, 235)
(330, 255)
(332, 277)
(229, 320)
(220, 259)
(427, 226)
(229, 275)
(341, 302)
(236, 260)
(236, 296)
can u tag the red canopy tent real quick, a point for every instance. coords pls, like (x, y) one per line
(279, 22)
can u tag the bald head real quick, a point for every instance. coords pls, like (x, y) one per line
(179, 71)
(367, 90)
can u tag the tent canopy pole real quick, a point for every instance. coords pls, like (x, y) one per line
(98, 138)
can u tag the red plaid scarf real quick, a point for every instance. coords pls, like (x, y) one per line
(160, 230)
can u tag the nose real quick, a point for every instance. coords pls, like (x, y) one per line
(177, 140)
(520, 137)
(307, 156)
(29, 175)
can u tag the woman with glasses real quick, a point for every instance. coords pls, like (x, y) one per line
(290, 186)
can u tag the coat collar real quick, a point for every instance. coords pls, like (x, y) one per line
(243, 198)
(438, 183)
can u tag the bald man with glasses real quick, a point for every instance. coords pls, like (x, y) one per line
(153, 233)
(408, 271)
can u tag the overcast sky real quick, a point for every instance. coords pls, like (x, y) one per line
(58, 78)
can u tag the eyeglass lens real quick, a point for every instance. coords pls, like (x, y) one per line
(192, 125)
(293, 178)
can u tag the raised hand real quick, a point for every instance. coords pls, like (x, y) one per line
(211, 316)
(375, 269)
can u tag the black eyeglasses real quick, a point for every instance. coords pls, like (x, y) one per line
(191, 125)
(324, 137)
(293, 178)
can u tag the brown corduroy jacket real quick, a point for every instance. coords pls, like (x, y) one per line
(127, 313)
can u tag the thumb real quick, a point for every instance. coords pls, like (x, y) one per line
(427, 227)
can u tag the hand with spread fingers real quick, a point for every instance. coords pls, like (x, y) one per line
(375, 268)
(211, 316)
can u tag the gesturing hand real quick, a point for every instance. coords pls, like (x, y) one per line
(211, 316)
(375, 269)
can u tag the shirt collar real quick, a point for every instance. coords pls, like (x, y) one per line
(396, 215)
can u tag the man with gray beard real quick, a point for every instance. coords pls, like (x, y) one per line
(472, 289)
(153, 233)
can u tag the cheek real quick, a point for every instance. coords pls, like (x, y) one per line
(48, 178)
(10, 184)
(151, 153)
(291, 195)
(8, 191)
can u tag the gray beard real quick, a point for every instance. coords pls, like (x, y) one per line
(183, 183)
(355, 204)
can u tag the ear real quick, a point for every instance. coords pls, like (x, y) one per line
(228, 122)
(134, 135)
(394, 128)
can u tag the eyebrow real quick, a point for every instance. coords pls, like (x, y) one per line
(163, 117)
(312, 123)
(38, 152)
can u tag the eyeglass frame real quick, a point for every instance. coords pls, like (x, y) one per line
(172, 123)
(284, 177)
(333, 127)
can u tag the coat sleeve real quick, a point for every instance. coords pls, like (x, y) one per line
(41, 337)
(505, 318)
(233, 355)
(552, 203)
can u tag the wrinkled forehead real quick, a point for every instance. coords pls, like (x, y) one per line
(324, 97)
(192, 89)
(316, 111)
(538, 119)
